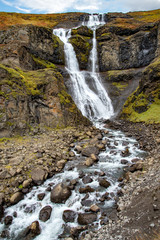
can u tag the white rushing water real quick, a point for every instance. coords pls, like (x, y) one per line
(96, 104)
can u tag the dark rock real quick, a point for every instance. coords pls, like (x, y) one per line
(136, 167)
(125, 153)
(8, 220)
(104, 183)
(30, 209)
(1, 212)
(75, 231)
(15, 214)
(30, 232)
(45, 213)
(69, 216)
(87, 179)
(60, 193)
(86, 189)
(123, 161)
(40, 196)
(5, 234)
(86, 218)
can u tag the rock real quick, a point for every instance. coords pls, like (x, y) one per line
(69, 216)
(86, 218)
(5, 234)
(125, 153)
(16, 197)
(123, 161)
(86, 189)
(4, 174)
(45, 213)
(38, 176)
(8, 220)
(40, 196)
(60, 193)
(136, 167)
(78, 149)
(1, 212)
(94, 157)
(89, 162)
(71, 154)
(87, 179)
(90, 150)
(61, 164)
(2, 198)
(27, 183)
(75, 231)
(94, 208)
(104, 183)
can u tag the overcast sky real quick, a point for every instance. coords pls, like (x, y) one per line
(58, 6)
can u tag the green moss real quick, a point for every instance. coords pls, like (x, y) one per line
(120, 85)
(20, 186)
(64, 97)
(44, 63)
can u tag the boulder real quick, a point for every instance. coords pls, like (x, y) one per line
(94, 208)
(1, 212)
(27, 183)
(40, 196)
(60, 193)
(45, 213)
(89, 162)
(38, 176)
(104, 183)
(86, 218)
(16, 197)
(69, 216)
(86, 189)
(87, 179)
(124, 161)
(61, 164)
(8, 220)
(90, 150)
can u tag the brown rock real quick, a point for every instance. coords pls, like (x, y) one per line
(86, 218)
(69, 216)
(86, 189)
(104, 183)
(94, 208)
(60, 193)
(38, 176)
(89, 162)
(16, 197)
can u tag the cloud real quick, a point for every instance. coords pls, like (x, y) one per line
(58, 6)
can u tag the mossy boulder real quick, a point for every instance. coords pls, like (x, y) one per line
(83, 31)
(144, 104)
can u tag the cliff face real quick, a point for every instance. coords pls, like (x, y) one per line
(32, 90)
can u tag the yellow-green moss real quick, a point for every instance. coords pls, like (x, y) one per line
(120, 85)
(44, 63)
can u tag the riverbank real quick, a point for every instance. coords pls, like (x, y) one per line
(138, 207)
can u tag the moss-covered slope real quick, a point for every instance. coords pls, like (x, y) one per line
(144, 104)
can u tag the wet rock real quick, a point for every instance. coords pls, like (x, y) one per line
(78, 149)
(2, 198)
(40, 196)
(16, 197)
(94, 157)
(125, 153)
(136, 167)
(69, 216)
(30, 232)
(60, 193)
(89, 162)
(94, 208)
(102, 174)
(1, 212)
(87, 179)
(30, 209)
(71, 154)
(123, 161)
(38, 176)
(8, 220)
(45, 213)
(104, 183)
(27, 183)
(5, 234)
(86, 218)
(86, 189)
(75, 231)
(90, 150)
(86, 202)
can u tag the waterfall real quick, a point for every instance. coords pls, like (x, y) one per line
(94, 104)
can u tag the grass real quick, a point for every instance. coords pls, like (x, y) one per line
(44, 20)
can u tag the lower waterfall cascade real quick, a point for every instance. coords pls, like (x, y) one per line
(95, 105)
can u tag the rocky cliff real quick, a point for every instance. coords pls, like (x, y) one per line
(32, 89)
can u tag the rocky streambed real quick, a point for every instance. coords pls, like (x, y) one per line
(85, 169)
